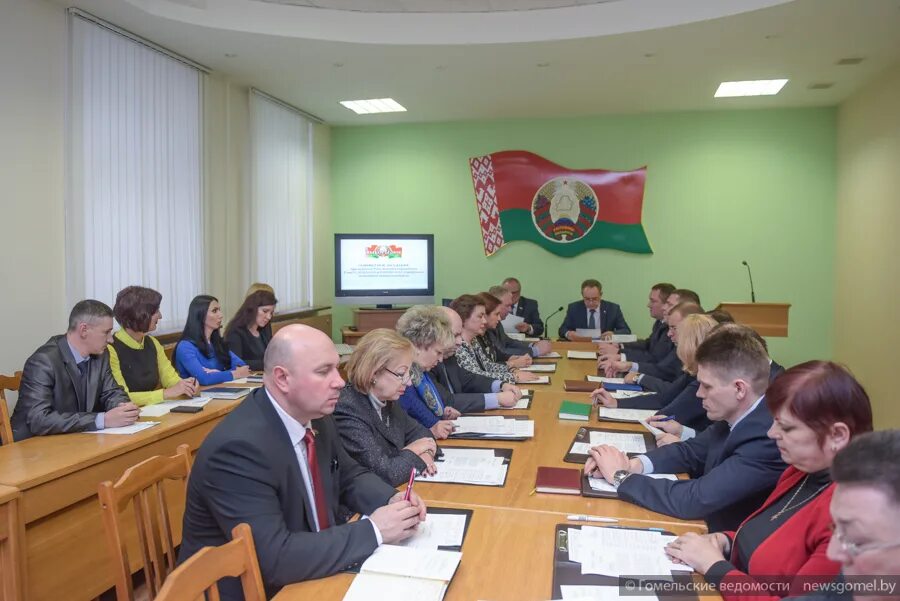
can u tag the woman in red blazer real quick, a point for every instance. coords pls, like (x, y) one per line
(818, 407)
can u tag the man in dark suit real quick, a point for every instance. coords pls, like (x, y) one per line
(525, 308)
(593, 313)
(501, 340)
(658, 344)
(277, 463)
(67, 385)
(733, 464)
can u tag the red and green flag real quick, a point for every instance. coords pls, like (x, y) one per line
(523, 196)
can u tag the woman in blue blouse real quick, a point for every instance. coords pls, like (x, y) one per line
(201, 352)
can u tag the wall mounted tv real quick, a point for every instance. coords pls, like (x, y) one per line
(383, 269)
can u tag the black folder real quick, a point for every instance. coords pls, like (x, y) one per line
(472, 436)
(527, 407)
(583, 435)
(505, 453)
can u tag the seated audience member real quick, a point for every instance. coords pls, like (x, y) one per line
(525, 308)
(277, 463)
(470, 353)
(248, 333)
(818, 409)
(137, 360)
(498, 337)
(658, 345)
(592, 313)
(261, 287)
(733, 464)
(67, 385)
(376, 431)
(721, 316)
(681, 295)
(489, 340)
(201, 352)
(680, 401)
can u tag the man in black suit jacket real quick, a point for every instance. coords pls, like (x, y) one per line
(67, 385)
(733, 464)
(606, 316)
(525, 308)
(657, 345)
(254, 467)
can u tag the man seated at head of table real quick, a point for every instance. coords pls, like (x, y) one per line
(471, 353)
(501, 341)
(819, 408)
(67, 385)
(278, 463)
(733, 464)
(376, 431)
(665, 369)
(440, 389)
(526, 308)
(137, 360)
(592, 313)
(202, 353)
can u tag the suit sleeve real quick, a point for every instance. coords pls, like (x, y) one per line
(368, 448)
(620, 326)
(668, 368)
(110, 393)
(36, 399)
(534, 320)
(472, 382)
(567, 324)
(240, 488)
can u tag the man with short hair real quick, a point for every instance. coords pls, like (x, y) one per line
(733, 464)
(277, 463)
(525, 308)
(67, 385)
(593, 313)
(501, 340)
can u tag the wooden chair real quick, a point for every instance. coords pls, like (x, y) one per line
(7, 383)
(143, 485)
(204, 569)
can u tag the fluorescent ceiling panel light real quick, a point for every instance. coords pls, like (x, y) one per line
(759, 87)
(373, 105)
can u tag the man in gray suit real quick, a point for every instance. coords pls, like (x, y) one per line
(67, 385)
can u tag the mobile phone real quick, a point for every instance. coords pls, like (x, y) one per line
(186, 409)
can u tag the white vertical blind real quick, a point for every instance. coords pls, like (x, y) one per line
(279, 209)
(134, 202)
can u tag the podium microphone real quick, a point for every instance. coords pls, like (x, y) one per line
(750, 275)
(547, 323)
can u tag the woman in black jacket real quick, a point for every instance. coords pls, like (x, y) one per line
(248, 333)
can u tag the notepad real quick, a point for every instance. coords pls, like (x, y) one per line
(581, 355)
(624, 415)
(438, 530)
(628, 394)
(226, 392)
(620, 551)
(540, 367)
(160, 409)
(494, 426)
(605, 380)
(132, 429)
(575, 411)
(601, 485)
(395, 572)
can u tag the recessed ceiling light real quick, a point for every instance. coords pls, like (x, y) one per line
(853, 60)
(824, 85)
(374, 105)
(230, 55)
(759, 87)
(542, 65)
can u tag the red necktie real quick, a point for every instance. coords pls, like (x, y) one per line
(318, 489)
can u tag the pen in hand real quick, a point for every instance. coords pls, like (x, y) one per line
(412, 476)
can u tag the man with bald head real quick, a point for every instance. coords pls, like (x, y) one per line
(277, 463)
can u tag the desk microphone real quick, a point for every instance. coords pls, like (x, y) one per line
(547, 323)
(750, 275)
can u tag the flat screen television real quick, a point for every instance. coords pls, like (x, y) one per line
(383, 269)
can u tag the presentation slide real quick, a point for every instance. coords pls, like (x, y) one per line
(384, 264)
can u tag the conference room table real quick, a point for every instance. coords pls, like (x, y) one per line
(508, 550)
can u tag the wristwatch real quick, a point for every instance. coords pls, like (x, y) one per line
(620, 476)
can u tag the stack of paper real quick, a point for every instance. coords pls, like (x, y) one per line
(494, 425)
(627, 415)
(626, 442)
(541, 367)
(469, 466)
(160, 409)
(438, 530)
(623, 338)
(581, 355)
(627, 394)
(395, 572)
(510, 322)
(621, 552)
(588, 332)
(132, 429)
(606, 380)
(601, 485)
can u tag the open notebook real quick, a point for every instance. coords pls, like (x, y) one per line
(394, 572)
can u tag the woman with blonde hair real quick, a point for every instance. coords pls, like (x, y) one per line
(375, 430)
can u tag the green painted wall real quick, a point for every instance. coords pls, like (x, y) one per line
(721, 187)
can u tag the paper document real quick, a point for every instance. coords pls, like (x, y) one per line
(620, 552)
(366, 587)
(630, 415)
(606, 380)
(624, 441)
(132, 429)
(580, 448)
(416, 563)
(251, 380)
(653, 430)
(623, 338)
(551, 355)
(494, 425)
(581, 355)
(516, 336)
(601, 485)
(453, 453)
(588, 333)
(510, 322)
(540, 367)
(160, 409)
(468, 466)
(540, 380)
(438, 530)
(525, 392)
(627, 394)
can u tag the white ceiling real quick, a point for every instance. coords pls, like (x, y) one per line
(664, 69)
(437, 6)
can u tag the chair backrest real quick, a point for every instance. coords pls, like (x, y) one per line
(143, 485)
(205, 568)
(7, 383)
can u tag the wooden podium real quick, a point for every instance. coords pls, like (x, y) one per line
(768, 319)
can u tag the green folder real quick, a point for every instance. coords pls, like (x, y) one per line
(575, 411)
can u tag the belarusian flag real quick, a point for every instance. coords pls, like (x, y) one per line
(523, 196)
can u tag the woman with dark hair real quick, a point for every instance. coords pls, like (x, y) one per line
(818, 408)
(136, 359)
(493, 306)
(248, 333)
(201, 352)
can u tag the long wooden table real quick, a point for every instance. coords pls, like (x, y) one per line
(65, 548)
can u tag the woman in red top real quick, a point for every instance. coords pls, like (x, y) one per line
(818, 407)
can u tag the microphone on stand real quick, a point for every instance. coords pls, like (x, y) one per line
(750, 275)
(547, 323)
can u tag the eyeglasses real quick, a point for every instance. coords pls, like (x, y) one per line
(405, 378)
(854, 549)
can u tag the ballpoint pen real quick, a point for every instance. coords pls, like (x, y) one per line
(592, 518)
(412, 476)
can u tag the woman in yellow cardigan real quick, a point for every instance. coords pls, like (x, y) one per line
(137, 360)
